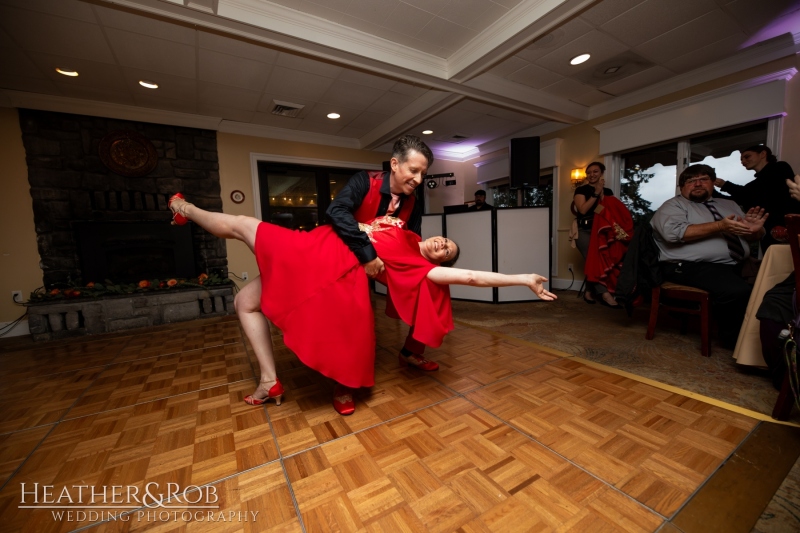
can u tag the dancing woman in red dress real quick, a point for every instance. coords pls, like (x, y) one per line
(315, 290)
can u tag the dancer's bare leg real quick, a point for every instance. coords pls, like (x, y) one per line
(256, 327)
(220, 225)
(248, 301)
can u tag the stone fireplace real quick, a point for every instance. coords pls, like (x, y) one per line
(94, 224)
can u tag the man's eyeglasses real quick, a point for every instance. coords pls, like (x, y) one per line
(702, 179)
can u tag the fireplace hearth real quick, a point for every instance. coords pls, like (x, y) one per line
(93, 224)
(130, 252)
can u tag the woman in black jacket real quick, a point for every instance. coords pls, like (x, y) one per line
(768, 190)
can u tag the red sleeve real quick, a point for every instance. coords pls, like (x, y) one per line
(416, 300)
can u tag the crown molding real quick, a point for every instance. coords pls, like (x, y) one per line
(498, 157)
(63, 104)
(283, 20)
(459, 157)
(781, 75)
(549, 106)
(418, 111)
(513, 31)
(782, 46)
(536, 131)
(270, 132)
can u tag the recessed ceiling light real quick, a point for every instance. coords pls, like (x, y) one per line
(577, 60)
(67, 71)
(334, 115)
(148, 84)
(427, 132)
(611, 70)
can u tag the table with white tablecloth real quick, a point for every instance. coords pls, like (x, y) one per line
(775, 267)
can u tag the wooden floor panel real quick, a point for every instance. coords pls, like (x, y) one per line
(654, 445)
(143, 380)
(504, 437)
(56, 358)
(179, 339)
(37, 401)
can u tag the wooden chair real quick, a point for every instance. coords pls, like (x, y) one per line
(684, 293)
(783, 406)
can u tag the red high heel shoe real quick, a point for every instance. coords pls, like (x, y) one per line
(179, 219)
(417, 361)
(343, 400)
(275, 392)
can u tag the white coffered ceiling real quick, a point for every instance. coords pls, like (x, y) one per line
(476, 72)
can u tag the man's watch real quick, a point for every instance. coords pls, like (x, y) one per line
(595, 195)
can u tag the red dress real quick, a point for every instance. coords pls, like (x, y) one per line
(612, 230)
(316, 292)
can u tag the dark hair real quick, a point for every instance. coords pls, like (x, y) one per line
(693, 171)
(758, 148)
(598, 164)
(406, 143)
(480, 192)
(452, 261)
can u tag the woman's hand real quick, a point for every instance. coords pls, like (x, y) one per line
(598, 187)
(536, 285)
(719, 182)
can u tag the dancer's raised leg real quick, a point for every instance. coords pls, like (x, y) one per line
(221, 225)
(256, 327)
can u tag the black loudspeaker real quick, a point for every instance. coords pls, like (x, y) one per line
(523, 162)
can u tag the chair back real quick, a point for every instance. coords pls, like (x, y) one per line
(793, 232)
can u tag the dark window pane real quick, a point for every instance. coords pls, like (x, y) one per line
(293, 199)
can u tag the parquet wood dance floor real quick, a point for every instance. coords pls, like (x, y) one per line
(504, 437)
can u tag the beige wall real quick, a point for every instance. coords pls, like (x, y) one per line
(19, 256)
(581, 144)
(235, 173)
(465, 175)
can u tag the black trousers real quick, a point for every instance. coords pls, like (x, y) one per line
(729, 292)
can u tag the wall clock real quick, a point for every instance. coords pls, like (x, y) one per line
(237, 197)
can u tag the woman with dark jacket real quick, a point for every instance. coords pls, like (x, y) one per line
(768, 190)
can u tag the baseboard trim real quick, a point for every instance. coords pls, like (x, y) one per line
(18, 330)
(563, 284)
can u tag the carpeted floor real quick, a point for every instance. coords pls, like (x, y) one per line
(609, 337)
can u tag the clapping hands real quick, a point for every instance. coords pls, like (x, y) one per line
(750, 225)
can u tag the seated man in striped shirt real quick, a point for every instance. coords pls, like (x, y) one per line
(703, 242)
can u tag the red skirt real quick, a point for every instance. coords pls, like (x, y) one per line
(315, 291)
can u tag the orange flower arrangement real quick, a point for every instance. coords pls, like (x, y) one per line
(93, 289)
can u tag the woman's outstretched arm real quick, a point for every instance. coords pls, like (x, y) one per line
(478, 278)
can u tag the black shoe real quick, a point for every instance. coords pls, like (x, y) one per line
(590, 302)
(604, 302)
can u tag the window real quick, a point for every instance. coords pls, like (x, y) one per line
(540, 195)
(721, 151)
(297, 196)
(649, 176)
(648, 180)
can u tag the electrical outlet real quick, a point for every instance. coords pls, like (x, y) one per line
(16, 296)
(569, 267)
(244, 276)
